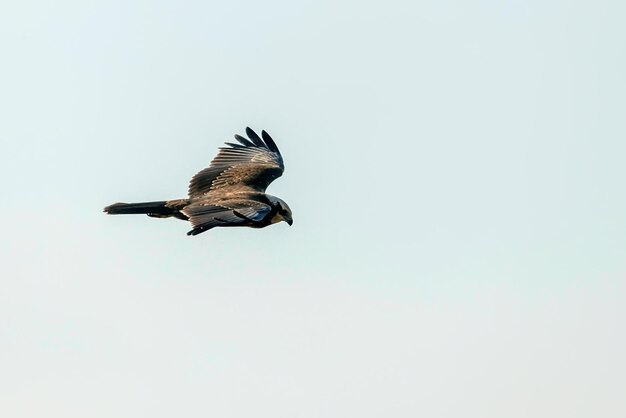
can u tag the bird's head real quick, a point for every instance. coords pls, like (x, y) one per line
(284, 211)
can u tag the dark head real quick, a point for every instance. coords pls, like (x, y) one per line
(283, 213)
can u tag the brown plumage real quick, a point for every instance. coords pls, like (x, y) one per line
(230, 192)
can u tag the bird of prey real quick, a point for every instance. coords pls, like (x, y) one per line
(230, 192)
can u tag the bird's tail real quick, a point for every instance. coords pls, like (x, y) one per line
(160, 209)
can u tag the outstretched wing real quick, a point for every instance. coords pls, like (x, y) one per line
(204, 216)
(250, 165)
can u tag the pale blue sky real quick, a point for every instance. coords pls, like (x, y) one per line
(455, 168)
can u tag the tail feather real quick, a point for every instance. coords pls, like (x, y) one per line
(160, 209)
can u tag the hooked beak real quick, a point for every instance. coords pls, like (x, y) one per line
(289, 221)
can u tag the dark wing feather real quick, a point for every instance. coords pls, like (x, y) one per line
(228, 213)
(270, 142)
(251, 166)
(243, 141)
(255, 138)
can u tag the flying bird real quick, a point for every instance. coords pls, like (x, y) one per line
(230, 192)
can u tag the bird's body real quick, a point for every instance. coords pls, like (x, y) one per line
(230, 192)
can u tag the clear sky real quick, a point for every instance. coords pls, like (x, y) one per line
(456, 171)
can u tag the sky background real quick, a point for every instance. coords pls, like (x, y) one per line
(456, 172)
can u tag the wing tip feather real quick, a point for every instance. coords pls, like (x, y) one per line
(255, 138)
(271, 145)
(245, 142)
